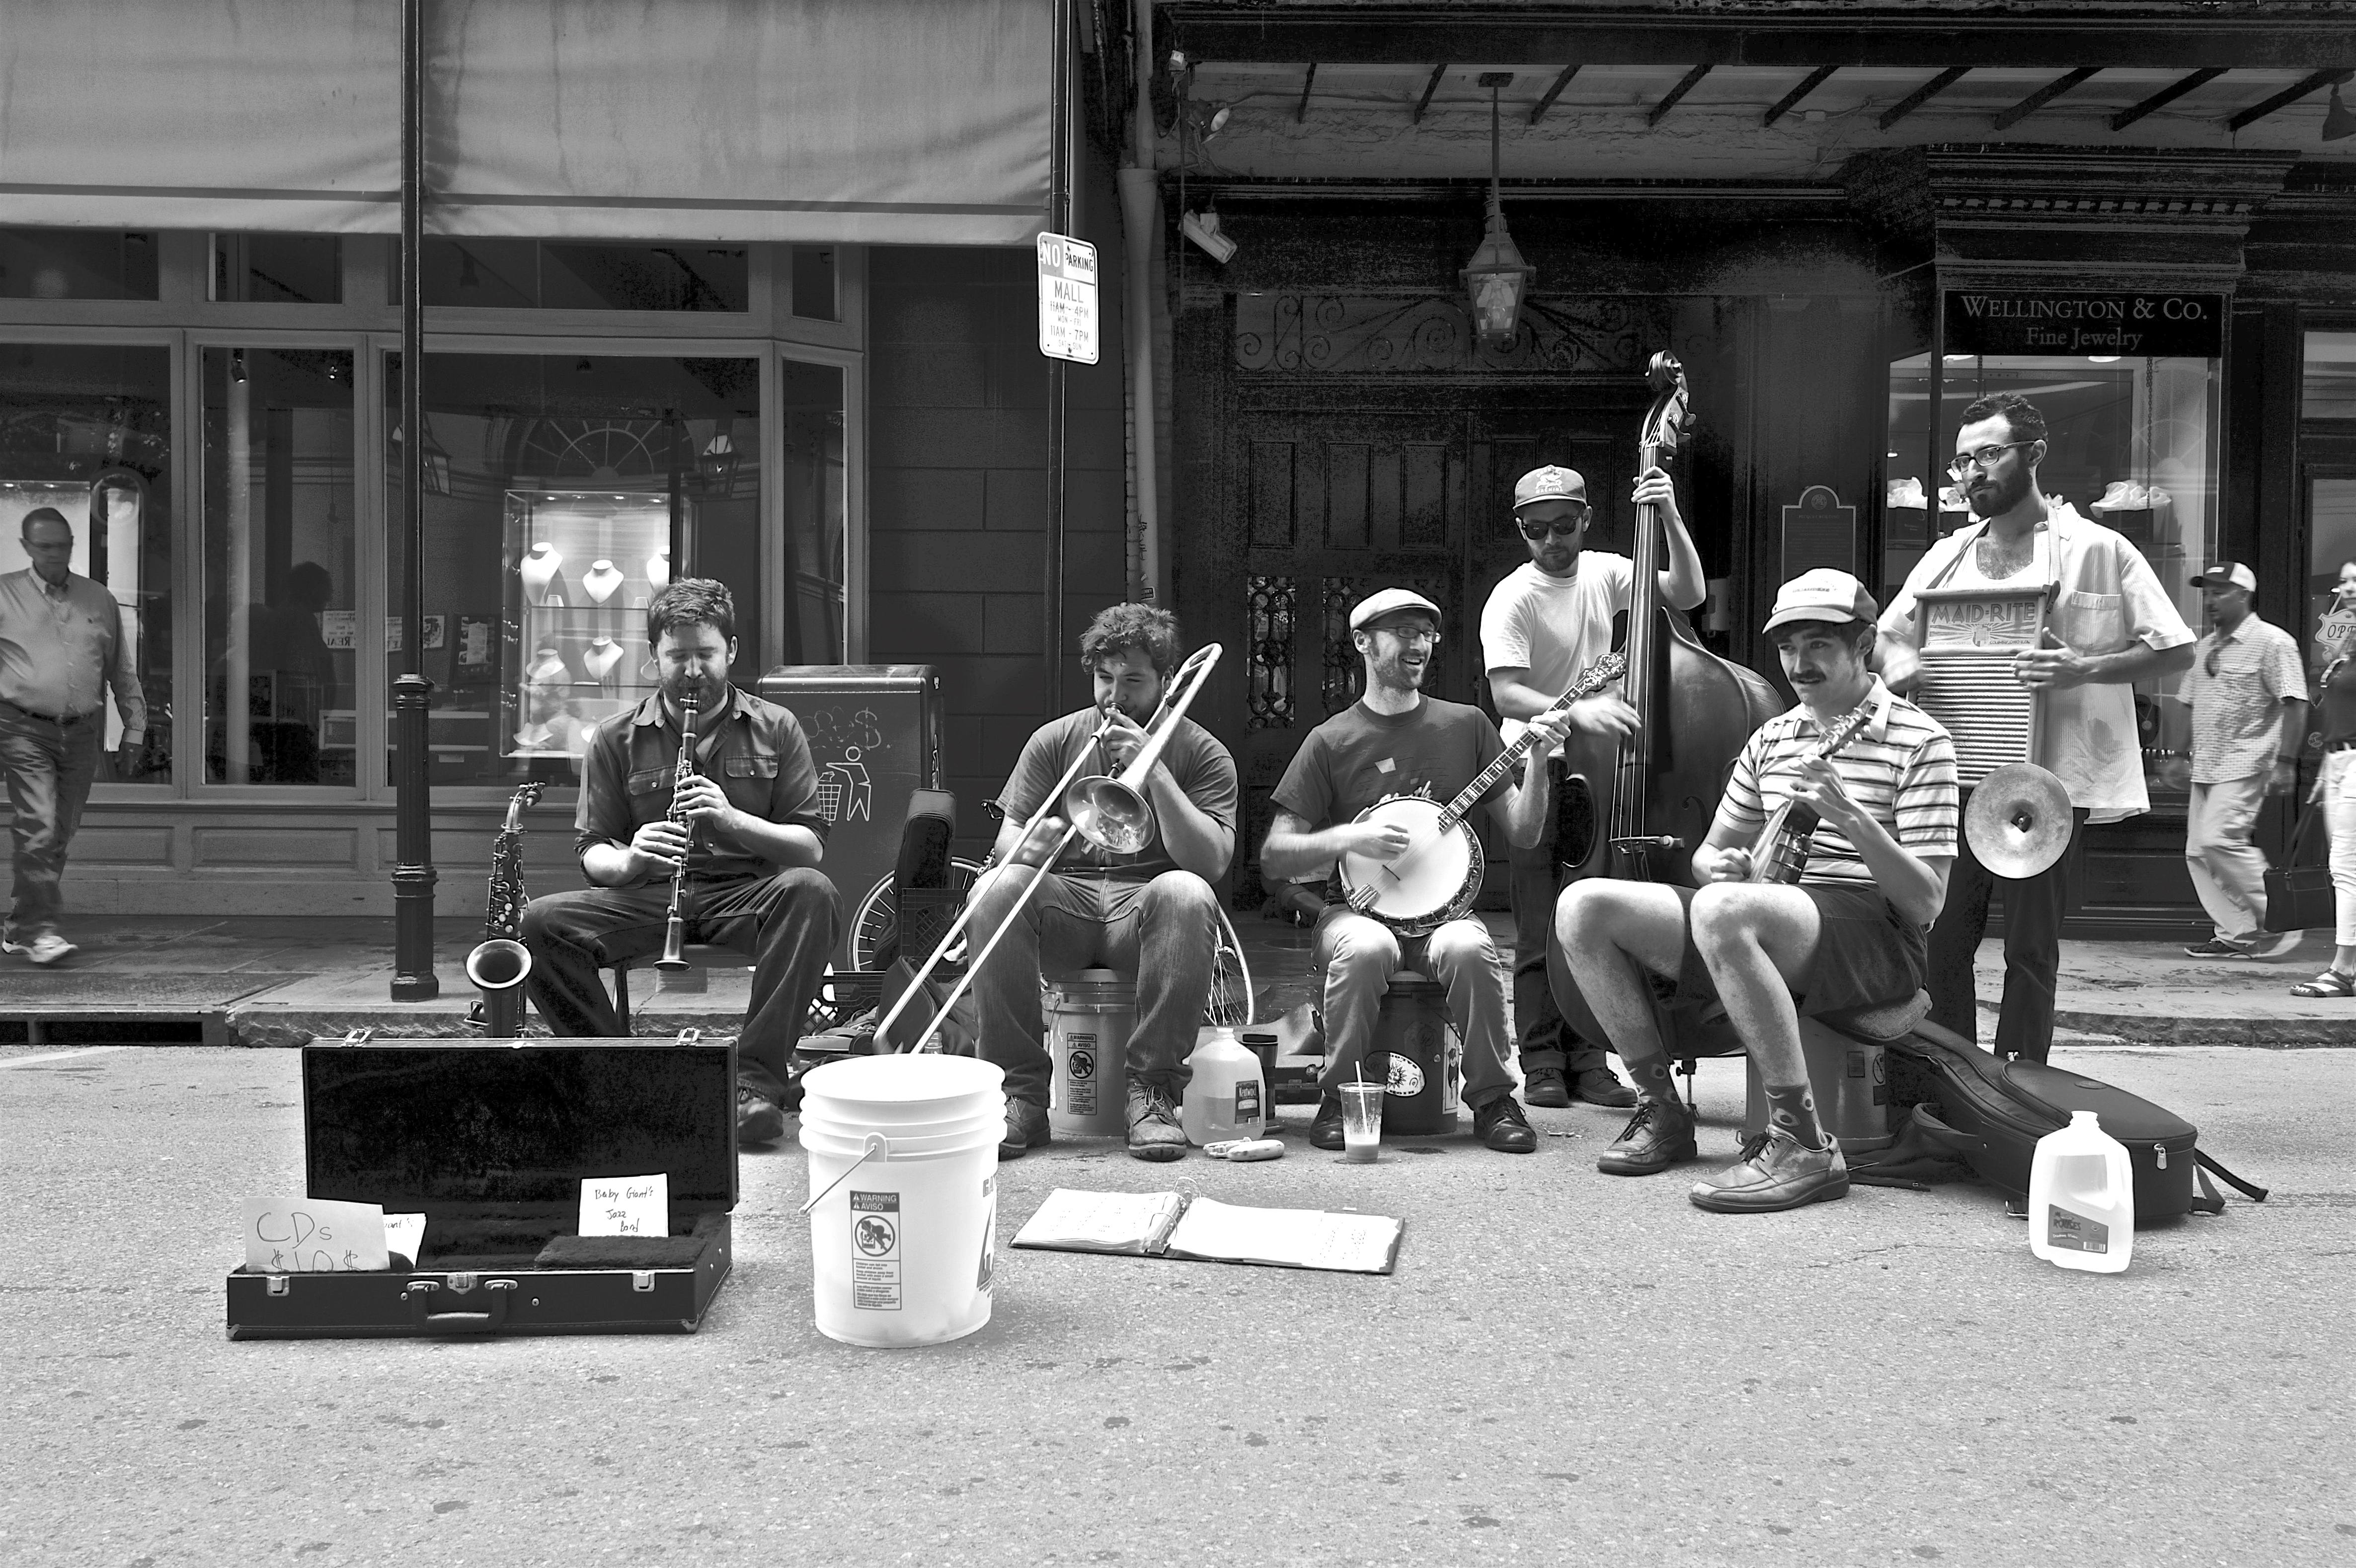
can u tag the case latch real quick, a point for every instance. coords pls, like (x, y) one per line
(689, 1037)
(278, 1284)
(360, 1036)
(642, 1279)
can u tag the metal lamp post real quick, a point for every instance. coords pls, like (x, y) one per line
(413, 877)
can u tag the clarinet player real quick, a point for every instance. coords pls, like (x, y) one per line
(750, 838)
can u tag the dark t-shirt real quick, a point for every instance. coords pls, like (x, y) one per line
(2335, 693)
(1205, 772)
(1359, 756)
(756, 753)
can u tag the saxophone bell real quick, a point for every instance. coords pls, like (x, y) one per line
(497, 968)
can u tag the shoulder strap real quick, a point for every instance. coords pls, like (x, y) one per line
(1963, 541)
(2249, 1190)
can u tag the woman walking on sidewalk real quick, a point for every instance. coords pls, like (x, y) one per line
(2335, 790)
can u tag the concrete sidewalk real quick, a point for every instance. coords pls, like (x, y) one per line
(280, 982)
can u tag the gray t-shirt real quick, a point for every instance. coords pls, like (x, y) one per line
(1205, 772)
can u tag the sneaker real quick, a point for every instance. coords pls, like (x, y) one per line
(2217, 947)
(1502, 1126)
(1326, 1127)
(1546, 1088)
(44, 948)
(759, 1119)
(1775, 1171)
(1659, 1135)
(1598, 1086)
(1154, 1130)
(2266, 944)
(1027, 1128)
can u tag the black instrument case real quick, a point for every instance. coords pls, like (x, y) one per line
(491, 1142)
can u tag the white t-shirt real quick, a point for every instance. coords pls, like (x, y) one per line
(1554, 626)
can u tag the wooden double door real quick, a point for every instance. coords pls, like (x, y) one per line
(1321, 494)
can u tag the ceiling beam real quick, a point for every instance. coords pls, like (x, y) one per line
(1791, 101)
(2287, 96)
(1300, 115)
(1430, 88)
(2166, 96)
(1685, 84)
(1553, 92)
(2044, 95)
(2256, 35)
(1922, 94)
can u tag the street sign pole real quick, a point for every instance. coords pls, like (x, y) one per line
(413, 876)
(1059, 219)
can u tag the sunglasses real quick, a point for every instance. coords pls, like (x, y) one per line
(1567, 527)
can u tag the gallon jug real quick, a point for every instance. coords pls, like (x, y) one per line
(2081, 1197)
(1227, 1097)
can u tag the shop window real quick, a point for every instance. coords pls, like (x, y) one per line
(563, 275)
(280, 556)
(277, 269)
(2132, 443)
(815, 298)
(77, 263)
(561, 492)
(2331, 566)
(87, 430)
(2328, 384)
(812, 485)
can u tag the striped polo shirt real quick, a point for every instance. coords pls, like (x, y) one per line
(1901, 767)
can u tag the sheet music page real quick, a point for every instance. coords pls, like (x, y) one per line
(1075, 1222)
(1293, 1238)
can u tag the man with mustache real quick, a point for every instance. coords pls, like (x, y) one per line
(752, 843)
(1394, 741)
(1549, 619)
(1849, 933)
(1151, 913)
(2109, 624)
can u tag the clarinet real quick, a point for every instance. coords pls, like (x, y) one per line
(675, 927)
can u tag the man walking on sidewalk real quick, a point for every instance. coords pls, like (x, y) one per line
(61, 650)
(2248, 697)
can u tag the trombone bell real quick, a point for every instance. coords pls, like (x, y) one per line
(1109, 814)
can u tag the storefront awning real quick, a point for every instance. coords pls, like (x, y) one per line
(918, 122)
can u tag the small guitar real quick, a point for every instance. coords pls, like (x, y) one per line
(1435, 878)
(1782, 853)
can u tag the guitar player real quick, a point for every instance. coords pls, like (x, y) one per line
(1397, 741)
(1852, 932)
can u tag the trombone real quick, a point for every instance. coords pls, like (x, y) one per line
(1111, 813)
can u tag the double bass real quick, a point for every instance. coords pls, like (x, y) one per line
(1638, 806)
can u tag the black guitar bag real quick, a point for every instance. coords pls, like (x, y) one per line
(2001, 1108)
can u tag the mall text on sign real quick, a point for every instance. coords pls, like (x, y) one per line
(1067, 299)
(2127, 325)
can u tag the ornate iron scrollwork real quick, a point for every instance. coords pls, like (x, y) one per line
(1357, 334)
(1268, 670)
(1344, 672)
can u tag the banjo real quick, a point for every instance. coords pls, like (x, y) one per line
(1434, 879)
(1782, 853)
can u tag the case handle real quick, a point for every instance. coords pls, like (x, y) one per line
(421, 1295)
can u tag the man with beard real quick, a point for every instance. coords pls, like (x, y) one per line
(1549, 619)
(1397, 741)
(752, 840)
(1151, 913)
(1849, 933)
(2109, 624)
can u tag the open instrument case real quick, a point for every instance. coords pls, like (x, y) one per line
(490, 1141)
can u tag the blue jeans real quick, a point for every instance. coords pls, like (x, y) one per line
(1165, 931)
(49, 767)
(1358, 956)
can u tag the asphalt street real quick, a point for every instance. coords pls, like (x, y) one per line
(1565, 1368)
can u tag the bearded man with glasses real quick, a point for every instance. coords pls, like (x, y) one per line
(1549, 619)
(2109, 624)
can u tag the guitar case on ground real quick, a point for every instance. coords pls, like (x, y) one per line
(2001, 1108)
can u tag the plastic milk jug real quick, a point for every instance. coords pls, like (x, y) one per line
(1225, 1098)
(2081, 1197)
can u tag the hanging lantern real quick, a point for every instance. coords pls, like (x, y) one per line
(1496, 279)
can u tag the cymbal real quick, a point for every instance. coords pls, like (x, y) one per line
(2019, 821)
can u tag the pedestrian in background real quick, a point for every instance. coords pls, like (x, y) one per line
(2335, 787)
(2248, 695)
(61, 648)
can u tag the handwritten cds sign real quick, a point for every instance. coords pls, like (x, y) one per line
(2128, 325)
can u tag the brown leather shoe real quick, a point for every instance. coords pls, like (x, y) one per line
(1027, 1128)
(1154, 1130)
(1501, 1124)
(1775, 1172)
(1659, 1135)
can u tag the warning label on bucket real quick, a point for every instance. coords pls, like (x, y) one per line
(875, 1250)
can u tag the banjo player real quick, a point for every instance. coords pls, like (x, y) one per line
(1397, 741)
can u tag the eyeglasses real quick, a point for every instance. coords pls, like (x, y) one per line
(1533, 532)
(1985, 458)
(1429, 634)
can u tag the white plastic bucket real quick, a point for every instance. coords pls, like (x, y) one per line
(1087, 1041)
(902, 1251)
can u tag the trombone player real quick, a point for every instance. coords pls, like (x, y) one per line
(1152, 913)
